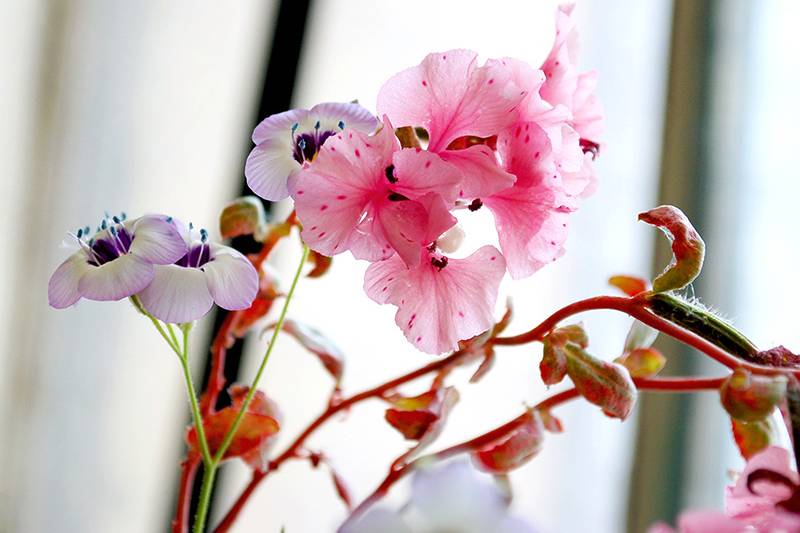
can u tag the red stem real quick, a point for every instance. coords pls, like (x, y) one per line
(189, 468)
(490, 437)
(635, 307)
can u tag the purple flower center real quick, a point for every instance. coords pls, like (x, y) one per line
(106, 249)
(197, 256)
(307, 145)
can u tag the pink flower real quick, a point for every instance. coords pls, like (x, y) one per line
(764, 500)
(287, 141)
(450, 96)
(207, 273)
(117, 261)
(564, 85)
(367, 195)
(442, 300)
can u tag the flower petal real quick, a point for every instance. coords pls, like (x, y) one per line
(378, 519)
(117, 279)
(451, 97)
(353, 116)
(278, 125)
(157, 240)
(231, 278)
(177, 294)
(269, 166)
(62, 290)
(419, 172)
(437, 307)
(482, 175)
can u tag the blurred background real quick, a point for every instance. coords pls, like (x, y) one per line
(148, 107)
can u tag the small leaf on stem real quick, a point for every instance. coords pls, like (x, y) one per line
(752, 437)
(421, 417)
(322, 263)
(630, 285)
(243, 216)
(688, 247)
(608, 385)
(750, 397)
(553, 366)
(315, 342)
(639, 336)
(516, 449)
(643, 362)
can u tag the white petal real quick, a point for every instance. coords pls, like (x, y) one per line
(177, 294)
(278, 125)
(269, 166)
(117, 279)
(62, 291)
(231, 278)
(157, 240)
(353, 116)
(378, 519)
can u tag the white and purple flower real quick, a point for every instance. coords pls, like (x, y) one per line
(117, 261)
(207, 273)
(288, 141)
(454, 497)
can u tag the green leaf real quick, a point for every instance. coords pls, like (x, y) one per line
(752, 437)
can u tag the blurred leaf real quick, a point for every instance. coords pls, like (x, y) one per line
(253, 438)
(643, 362)
(629, 285)
(315, 342)
(243, 216)
(752, 437)
(688, 247)
(486, 365)
(553, 366)
(515, 450)
(608, 385)
(550, 422)
(267, 293)
(640, 336)
(322, 263)
(421, 417)
(751, 397)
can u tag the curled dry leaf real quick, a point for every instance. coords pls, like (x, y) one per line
(688, 247)
(254, 437)
(421, 418)
(750, 397)
(322, 263)
(243, 216)
(315, 342)
(516, 449)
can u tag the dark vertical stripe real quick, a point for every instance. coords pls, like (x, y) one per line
(277, 88)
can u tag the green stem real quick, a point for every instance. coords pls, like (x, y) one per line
(198, 419)
(211, 468)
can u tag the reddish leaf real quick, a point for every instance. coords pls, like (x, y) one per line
(630, 285)
(751, 397)
(515, 450)
(485, 366)
(752, 437)
(553, 366)
(321, 264)
(243, 216)
(422, 417)
(341, 489)
(315, 342)
(501, 326)
(688, 247)
(551, 422)
(254, 435)
(643, 362)
(608, 385)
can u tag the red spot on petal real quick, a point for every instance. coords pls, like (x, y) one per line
(321, 235)
(384, 289)
(444, 57)
(536, 155)
(461, 314)
(419, 339)
(418, 149)
(424, 83)
(333, 149)
(553, 243)
(527, 139)
(427, 164)
(358, 154)
(323, 207)
(299, 192)
(491, 81)
(492, 258)
(367, 145)
(341, 197)
(313, 228)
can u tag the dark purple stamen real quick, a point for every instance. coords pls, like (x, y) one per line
(110, 247)
(475, 205)
(307, 145)
(396, 197)
(390, 174)
(590, 147)
(439, 262)
(197, 256)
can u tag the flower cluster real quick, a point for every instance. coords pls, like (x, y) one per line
(504, 135)
(174, 271)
